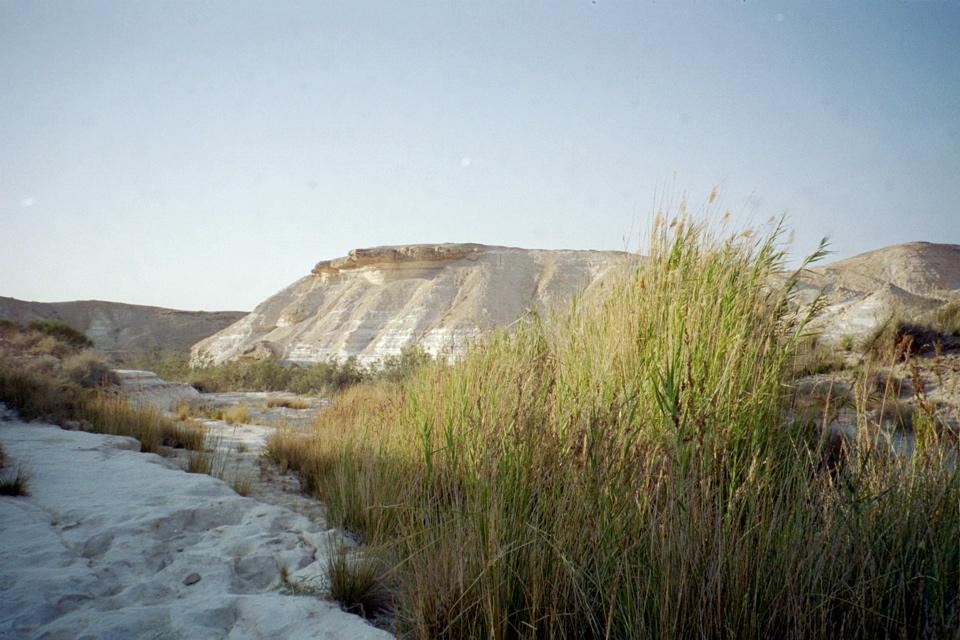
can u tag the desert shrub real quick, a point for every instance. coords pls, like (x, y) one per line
(174, 367)
(946, 318)
(61, 331)
(8, 327)
(89, 369)
(400, 367)
(898, 339)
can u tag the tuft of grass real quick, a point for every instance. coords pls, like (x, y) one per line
(946, 318)
(236, 414)
(847, 342)
(15, 481)
(356, 581)
(112, 414)
(214, 459)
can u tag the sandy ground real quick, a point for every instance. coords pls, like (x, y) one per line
(114, 543)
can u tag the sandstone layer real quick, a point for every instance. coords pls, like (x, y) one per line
(374, 302)
(118, 327)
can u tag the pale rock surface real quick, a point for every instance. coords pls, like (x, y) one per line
(865, 291)
(145, 388)
(113, 543)
(374, 302)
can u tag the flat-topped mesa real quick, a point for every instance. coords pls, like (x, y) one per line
(384, 256)
(375, 302)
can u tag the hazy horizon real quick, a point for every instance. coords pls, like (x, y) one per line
(206, 155)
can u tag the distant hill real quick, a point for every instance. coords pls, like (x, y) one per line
(374, 302)
(910, 280)
(119, 327)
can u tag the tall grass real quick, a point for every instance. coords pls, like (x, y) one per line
(630, 467)
(47, 372)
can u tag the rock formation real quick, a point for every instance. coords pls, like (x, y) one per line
(909, 280)
(118, 327)
(374, 302)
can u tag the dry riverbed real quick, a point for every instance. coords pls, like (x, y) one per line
(111, 542)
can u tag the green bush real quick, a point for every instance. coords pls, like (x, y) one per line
(61, 331)
(270, 375)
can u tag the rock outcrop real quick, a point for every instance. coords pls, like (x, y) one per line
(374, 302)
(118, 327)
(862, 292)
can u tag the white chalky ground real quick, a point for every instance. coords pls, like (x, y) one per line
(113, 543)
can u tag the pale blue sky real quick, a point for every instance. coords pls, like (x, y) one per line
(203, 155)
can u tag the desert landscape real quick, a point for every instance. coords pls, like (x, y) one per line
(466, 440)
(449, 320)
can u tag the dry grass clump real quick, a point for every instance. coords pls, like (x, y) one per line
(237, 413)
(898, 339)
(111, 414)
(356, 581)
(288, 403)
(629, 467)
(212, 458)
(15, 480)
(946, 318)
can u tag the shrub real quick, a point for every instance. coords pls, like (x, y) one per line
(61, 331)
(897, 340)
(89, 369)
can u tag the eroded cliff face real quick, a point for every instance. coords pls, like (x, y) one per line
(374, 302)
(909, 280)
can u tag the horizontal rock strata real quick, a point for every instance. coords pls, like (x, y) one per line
(374, 302)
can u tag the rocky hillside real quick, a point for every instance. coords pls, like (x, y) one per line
(374, 302)
(910, 280)
(118, 327)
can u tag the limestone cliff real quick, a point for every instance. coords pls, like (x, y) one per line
(374, 302)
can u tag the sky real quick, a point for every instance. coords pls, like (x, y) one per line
(204, 155)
